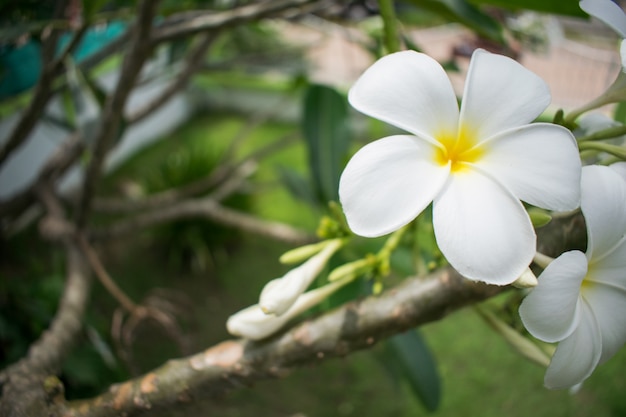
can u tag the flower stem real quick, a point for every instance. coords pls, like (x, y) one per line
(617, 151)
(390, 26)
(542, 260)
(611, 132)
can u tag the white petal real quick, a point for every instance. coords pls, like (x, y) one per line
(611, 271)
(577, 356)
(551, 311)
(620, 168)
(603, 203)
(539, 163)
(409, 90)
(622, 52)
(252, 323)
(482, 229)
(387, 183)
(500, 94)
(280, 294)
(609, 308)
(607, 11)
(593, 122)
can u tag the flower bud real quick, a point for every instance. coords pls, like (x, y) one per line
(526, 280)
(252, 323)
(279, 294)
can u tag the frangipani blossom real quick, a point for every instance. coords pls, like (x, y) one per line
(280, 294)
(252, 323)
(580, 301)
(611, 14)
(474, 164)
(620, 168)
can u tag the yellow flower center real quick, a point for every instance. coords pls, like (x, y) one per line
(588, 281)
(459, 150)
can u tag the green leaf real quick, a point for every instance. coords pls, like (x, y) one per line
(539, 217)
(297, 185)
(467, 14)
(620, 112)
(569, 8)
(325, 128)
(407, 356)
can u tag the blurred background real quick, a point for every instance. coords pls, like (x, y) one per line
(263, 127)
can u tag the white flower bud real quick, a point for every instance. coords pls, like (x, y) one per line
(252, 323)
(280, 294)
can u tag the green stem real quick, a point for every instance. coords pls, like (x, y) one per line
(390, 25)
(393, 241)
(542, 260)
(616, 92)
(617, 151)
(609, 133)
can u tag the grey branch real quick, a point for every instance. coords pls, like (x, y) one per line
(22, 393)
(41, 95)
(205, 208)
(201, 22)
(192, 64)
(236, 363)
(134, 60)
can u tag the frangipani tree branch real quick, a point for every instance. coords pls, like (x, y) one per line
(140, 50)
(205, 208)
(22, 393)
(41, 94)
(201, 22)
(235, 363)
(192, 64)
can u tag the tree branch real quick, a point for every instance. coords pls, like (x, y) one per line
(194, 23)
(134, 60)
(205, 208)
(236, 363)
(192, 64)
(231, 175)
(55, 167)
(43, 91)
(27, 389)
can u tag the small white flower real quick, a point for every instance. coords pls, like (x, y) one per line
(611, 14)
(474, 164)
(279, 294)
(252, 323)
(580, 301)
(608, 12)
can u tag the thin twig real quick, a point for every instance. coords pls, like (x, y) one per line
(134, 60)
(192, 64)
(219, 20)
(41, 95)
(204, 208)
(64, 157)
(103, 276)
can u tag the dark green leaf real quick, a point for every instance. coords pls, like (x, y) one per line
(325, 128)
(465, 13)
(407, 355)
(562, 7)
(297, 185)
(620, 112)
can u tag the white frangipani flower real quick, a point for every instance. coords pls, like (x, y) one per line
(580, 301)
(252, 323)
(608, 12)
(611, 14)
(620, 168)
(474, 164)
(279, 294)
